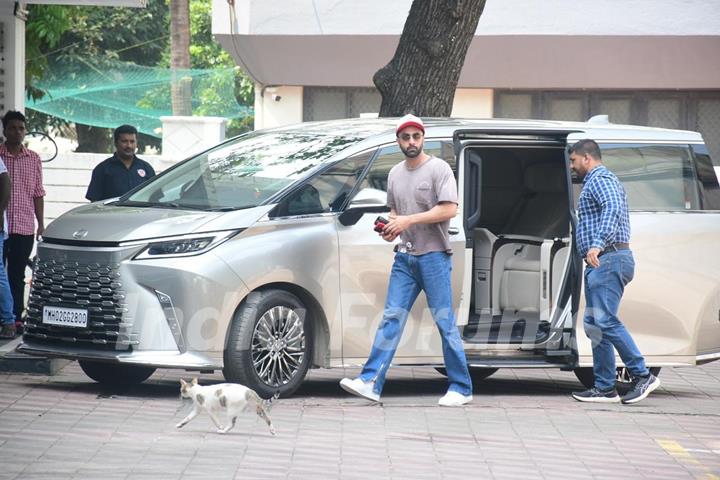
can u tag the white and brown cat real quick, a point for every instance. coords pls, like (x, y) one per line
(232, 398)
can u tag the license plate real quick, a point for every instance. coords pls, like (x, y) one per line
(67, 317)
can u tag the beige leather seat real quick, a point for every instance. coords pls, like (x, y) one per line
(523, 258)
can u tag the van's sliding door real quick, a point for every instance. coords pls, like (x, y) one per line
(517, 212)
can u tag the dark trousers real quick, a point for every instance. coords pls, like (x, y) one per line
(16, 255)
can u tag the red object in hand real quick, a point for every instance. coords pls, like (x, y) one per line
(380, 223)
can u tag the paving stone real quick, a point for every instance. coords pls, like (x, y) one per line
(522, 424)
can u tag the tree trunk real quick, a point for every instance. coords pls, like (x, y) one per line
(180, 56)
(92, 139)
(422, 76)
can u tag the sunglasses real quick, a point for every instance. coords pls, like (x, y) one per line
(407, 136)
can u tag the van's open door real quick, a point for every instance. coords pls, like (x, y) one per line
(518, 215)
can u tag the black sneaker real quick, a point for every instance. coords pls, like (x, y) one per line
(597, 396)
(642, 386)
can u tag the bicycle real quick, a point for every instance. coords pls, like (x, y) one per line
(42, 144)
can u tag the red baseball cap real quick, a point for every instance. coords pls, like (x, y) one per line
(409, 120)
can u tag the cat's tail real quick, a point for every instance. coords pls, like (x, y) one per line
(267, 404)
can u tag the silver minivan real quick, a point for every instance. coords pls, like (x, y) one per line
(258, 257)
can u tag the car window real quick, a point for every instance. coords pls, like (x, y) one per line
(241, 173)
(326, 192)
(655, 177)
(707, 173)
(392, 155)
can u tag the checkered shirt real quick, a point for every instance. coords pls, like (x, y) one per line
(602, 211)
(25, 170)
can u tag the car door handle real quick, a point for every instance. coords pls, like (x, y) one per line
(453, 230)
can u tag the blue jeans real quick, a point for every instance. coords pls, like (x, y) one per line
(7, 317)
(410, 274)
(604, 287)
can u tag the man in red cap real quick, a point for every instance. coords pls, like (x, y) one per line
(422, 196)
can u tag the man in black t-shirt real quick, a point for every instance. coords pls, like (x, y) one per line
(123, 171)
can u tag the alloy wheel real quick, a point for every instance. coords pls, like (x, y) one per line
(278, 346)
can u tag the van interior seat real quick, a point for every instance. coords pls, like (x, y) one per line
(542, 212)
(522, 264)
(519, 291)
(516, 276)
(541, 216)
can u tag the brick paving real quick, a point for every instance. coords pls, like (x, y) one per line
(522, 424)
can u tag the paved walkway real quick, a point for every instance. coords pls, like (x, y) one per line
(522, 424)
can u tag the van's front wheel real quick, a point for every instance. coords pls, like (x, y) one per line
(623, 378)
(269, 346)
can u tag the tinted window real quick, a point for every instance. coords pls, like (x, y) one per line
(326, 192)
(707, 178)
(242, 173)
(655, 177)
(391, 156)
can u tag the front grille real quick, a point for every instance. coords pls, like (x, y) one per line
(94, 287)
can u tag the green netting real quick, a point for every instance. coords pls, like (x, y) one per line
(111, 93)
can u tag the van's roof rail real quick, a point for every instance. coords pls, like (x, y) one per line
(603, 119)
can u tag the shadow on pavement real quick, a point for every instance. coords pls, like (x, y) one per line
(326, 385)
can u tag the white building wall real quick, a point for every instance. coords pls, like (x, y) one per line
(520, 44)
(473, 103)
(278, 105)
(12, 65)
(506, 17)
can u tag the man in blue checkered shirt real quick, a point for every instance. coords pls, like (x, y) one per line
(603, 241)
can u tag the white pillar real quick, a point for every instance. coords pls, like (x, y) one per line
(186, 136)
(473, 103)
(277, 105)
(13, 64)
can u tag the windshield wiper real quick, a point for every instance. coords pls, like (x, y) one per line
(229, 209)
(179, 206)
(169, 205)
(132, 203)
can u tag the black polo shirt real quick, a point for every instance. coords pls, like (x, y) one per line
(111, 179)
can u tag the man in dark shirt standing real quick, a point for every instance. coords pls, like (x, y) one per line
(123, 171)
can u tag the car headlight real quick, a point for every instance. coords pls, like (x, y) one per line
(183, 246)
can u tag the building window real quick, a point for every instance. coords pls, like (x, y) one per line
(330, 103)
(685, 110)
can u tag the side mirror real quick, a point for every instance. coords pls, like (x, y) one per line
(367, 200)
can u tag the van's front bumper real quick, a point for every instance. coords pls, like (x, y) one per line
(159, 359)
(169, 312)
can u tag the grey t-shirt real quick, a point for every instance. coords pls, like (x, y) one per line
(418, 190)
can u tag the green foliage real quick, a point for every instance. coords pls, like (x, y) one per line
(205, 52)
(107, 92)
(43, 31)
(97, 35)
(138, 35)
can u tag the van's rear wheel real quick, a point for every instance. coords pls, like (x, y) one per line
(477, 374)
(623, 378)
(115, 373)
(269, 346)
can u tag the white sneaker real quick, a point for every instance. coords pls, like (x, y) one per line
(360, 388)
(454, 399)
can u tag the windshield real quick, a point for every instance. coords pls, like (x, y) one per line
(240, 174)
